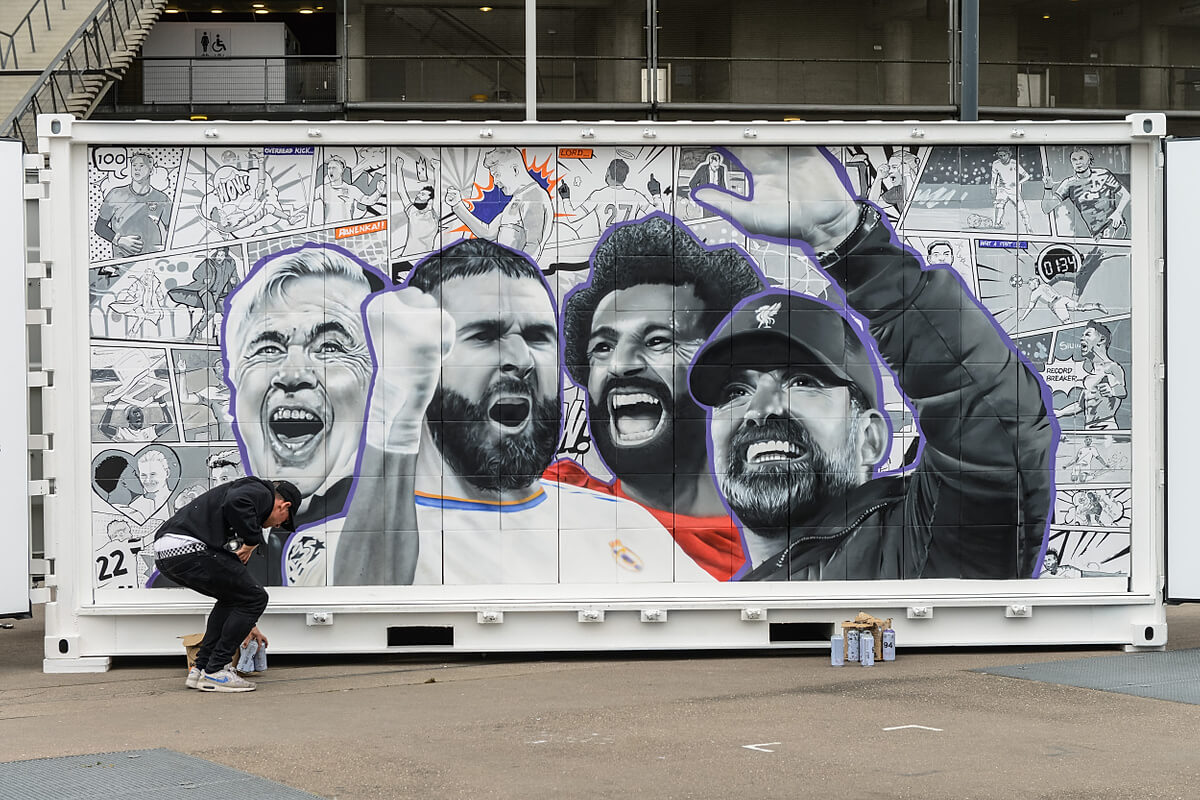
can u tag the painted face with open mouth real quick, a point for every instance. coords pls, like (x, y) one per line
(504, 442)
(639, 346)
(296, 429)
(509, 411)
(495, 415)
(772, 451)
(636, 410)
(773, 446)
(774, 473)
(300, 372)
(787, 443)
(637, 428)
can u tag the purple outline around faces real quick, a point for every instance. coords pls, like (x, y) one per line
(844, 179)
(258, 266)
(562, 355)
(375, 371)
(847, 311)
(545, 285)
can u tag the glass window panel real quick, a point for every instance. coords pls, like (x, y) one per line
(591, 51)
(436, 52)
(805, 51)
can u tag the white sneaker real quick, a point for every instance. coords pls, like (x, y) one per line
(224, 680)
(193, 679)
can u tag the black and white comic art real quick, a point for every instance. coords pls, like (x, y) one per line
(610, 365)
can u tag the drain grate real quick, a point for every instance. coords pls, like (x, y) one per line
(134, 774)
(1173, 675)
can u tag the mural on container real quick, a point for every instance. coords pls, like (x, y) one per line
(607, 365)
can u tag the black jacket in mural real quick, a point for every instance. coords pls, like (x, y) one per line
(977, 502)
(238, 508)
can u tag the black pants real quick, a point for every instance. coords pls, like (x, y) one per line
(240, 600)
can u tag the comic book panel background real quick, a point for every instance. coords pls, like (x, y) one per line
(1039, 236)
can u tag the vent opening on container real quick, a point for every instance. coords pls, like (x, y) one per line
(419, 635)
(801, 631)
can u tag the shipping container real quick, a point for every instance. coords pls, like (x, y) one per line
(611, 386)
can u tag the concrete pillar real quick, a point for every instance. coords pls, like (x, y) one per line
(621, 81)
(1154, 81)
(356, 47)
(897, 47)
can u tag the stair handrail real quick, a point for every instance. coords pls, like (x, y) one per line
(10, 50)
(88, 51)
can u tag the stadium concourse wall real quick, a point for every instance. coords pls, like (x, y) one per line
(593, 386)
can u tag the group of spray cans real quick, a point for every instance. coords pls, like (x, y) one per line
(860, 646)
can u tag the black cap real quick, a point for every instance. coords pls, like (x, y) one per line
(288, 491)
(777, 329)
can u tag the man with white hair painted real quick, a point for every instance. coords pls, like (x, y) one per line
(299, 368)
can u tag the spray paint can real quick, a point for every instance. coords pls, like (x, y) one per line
(866, 650)
(852, 645)
(889, 644)
(837, 651)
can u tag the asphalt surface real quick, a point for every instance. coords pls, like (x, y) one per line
(673, 725)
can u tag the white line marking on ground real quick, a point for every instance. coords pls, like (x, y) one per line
(919, 727)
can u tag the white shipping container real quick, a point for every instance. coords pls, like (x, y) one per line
(679, 385)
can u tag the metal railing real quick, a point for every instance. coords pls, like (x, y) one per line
(822, 81)
(1004, 86)
(588, 79)
(241, 80)
(451, 85)
(8, 50)
(81, 70)
(436, 78)
(1090, 85)
(696, 83)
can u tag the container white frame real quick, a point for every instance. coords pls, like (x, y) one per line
(1183, 165)
(86, 626)
(14, 396)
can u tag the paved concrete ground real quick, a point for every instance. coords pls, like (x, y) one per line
(599, 726)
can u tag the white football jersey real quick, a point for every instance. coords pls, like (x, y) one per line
(559, 534)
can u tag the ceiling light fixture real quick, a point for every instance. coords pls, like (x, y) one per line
(306, 11)
(261, 11)
(1045, 16)
(218, 11)
(485, 9)
(172, 10)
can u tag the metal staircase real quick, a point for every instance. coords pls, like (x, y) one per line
(95, 56)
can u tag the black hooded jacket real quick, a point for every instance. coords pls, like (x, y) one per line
(235, 509)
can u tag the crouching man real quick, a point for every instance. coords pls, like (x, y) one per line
(205, 547)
